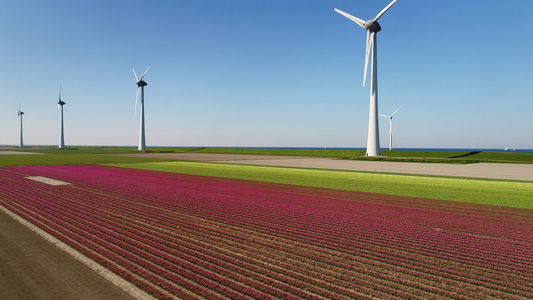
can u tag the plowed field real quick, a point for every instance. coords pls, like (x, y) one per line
(187, 236)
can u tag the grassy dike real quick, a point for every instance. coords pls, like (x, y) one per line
(491, 192)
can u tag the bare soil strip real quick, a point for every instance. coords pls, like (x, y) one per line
(17, 152)
(479, 170)
(35, 265)
(47, 180)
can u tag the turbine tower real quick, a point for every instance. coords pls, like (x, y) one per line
(140, 85)
(390, 130)
(61, 133)
(20, 113)
(372, 27)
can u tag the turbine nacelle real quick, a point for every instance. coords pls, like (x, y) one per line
(60, 102)
(372, 26)
(140, 84)
(20, 113)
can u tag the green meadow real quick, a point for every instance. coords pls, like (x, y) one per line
(491, 192)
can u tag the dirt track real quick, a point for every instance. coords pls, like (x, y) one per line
(480, 170)
(17, 152)
(32, 268)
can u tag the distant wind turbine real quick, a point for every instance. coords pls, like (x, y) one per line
(390, 130)
(140, 85)
(20, 113)
(372, 27)
(60, 104)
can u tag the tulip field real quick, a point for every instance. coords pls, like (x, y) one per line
(192, 237)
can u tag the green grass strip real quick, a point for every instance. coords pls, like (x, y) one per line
(491, 192)
(8, 160)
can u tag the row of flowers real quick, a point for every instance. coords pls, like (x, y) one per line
(190, 238)
(99, 236)
(158, 213)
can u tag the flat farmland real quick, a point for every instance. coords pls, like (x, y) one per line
(188, 236)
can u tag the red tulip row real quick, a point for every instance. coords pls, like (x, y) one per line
(64, 210)
(138, 185)
(44, 207)
(269, 228)
(189, 237)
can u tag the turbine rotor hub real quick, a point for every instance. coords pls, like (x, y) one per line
(141, 83)
(372, 26)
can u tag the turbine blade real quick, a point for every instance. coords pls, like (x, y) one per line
(369, 45)
(396, 110)
(137, 98)
(355, 19)
(384, 10)
(137, 79)
(384, 116)
(59, 102)
(145, 72)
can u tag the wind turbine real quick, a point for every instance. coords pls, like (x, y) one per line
(140, 85)
(390, 130)
(372, 27)
(20, 113)
(60, 104)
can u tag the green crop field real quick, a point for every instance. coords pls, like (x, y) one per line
(491, 192)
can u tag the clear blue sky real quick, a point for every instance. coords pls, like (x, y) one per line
(271, 73)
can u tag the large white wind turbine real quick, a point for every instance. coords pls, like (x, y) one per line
(390, 121)
(372, 27)
(60, 104)
(20, 113)
(140, 85)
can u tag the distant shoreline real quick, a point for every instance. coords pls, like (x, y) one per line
(15, 148)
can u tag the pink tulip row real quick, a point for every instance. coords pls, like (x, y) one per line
(240, 241)
(480, 248)
(144, 187)
(64, 211)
